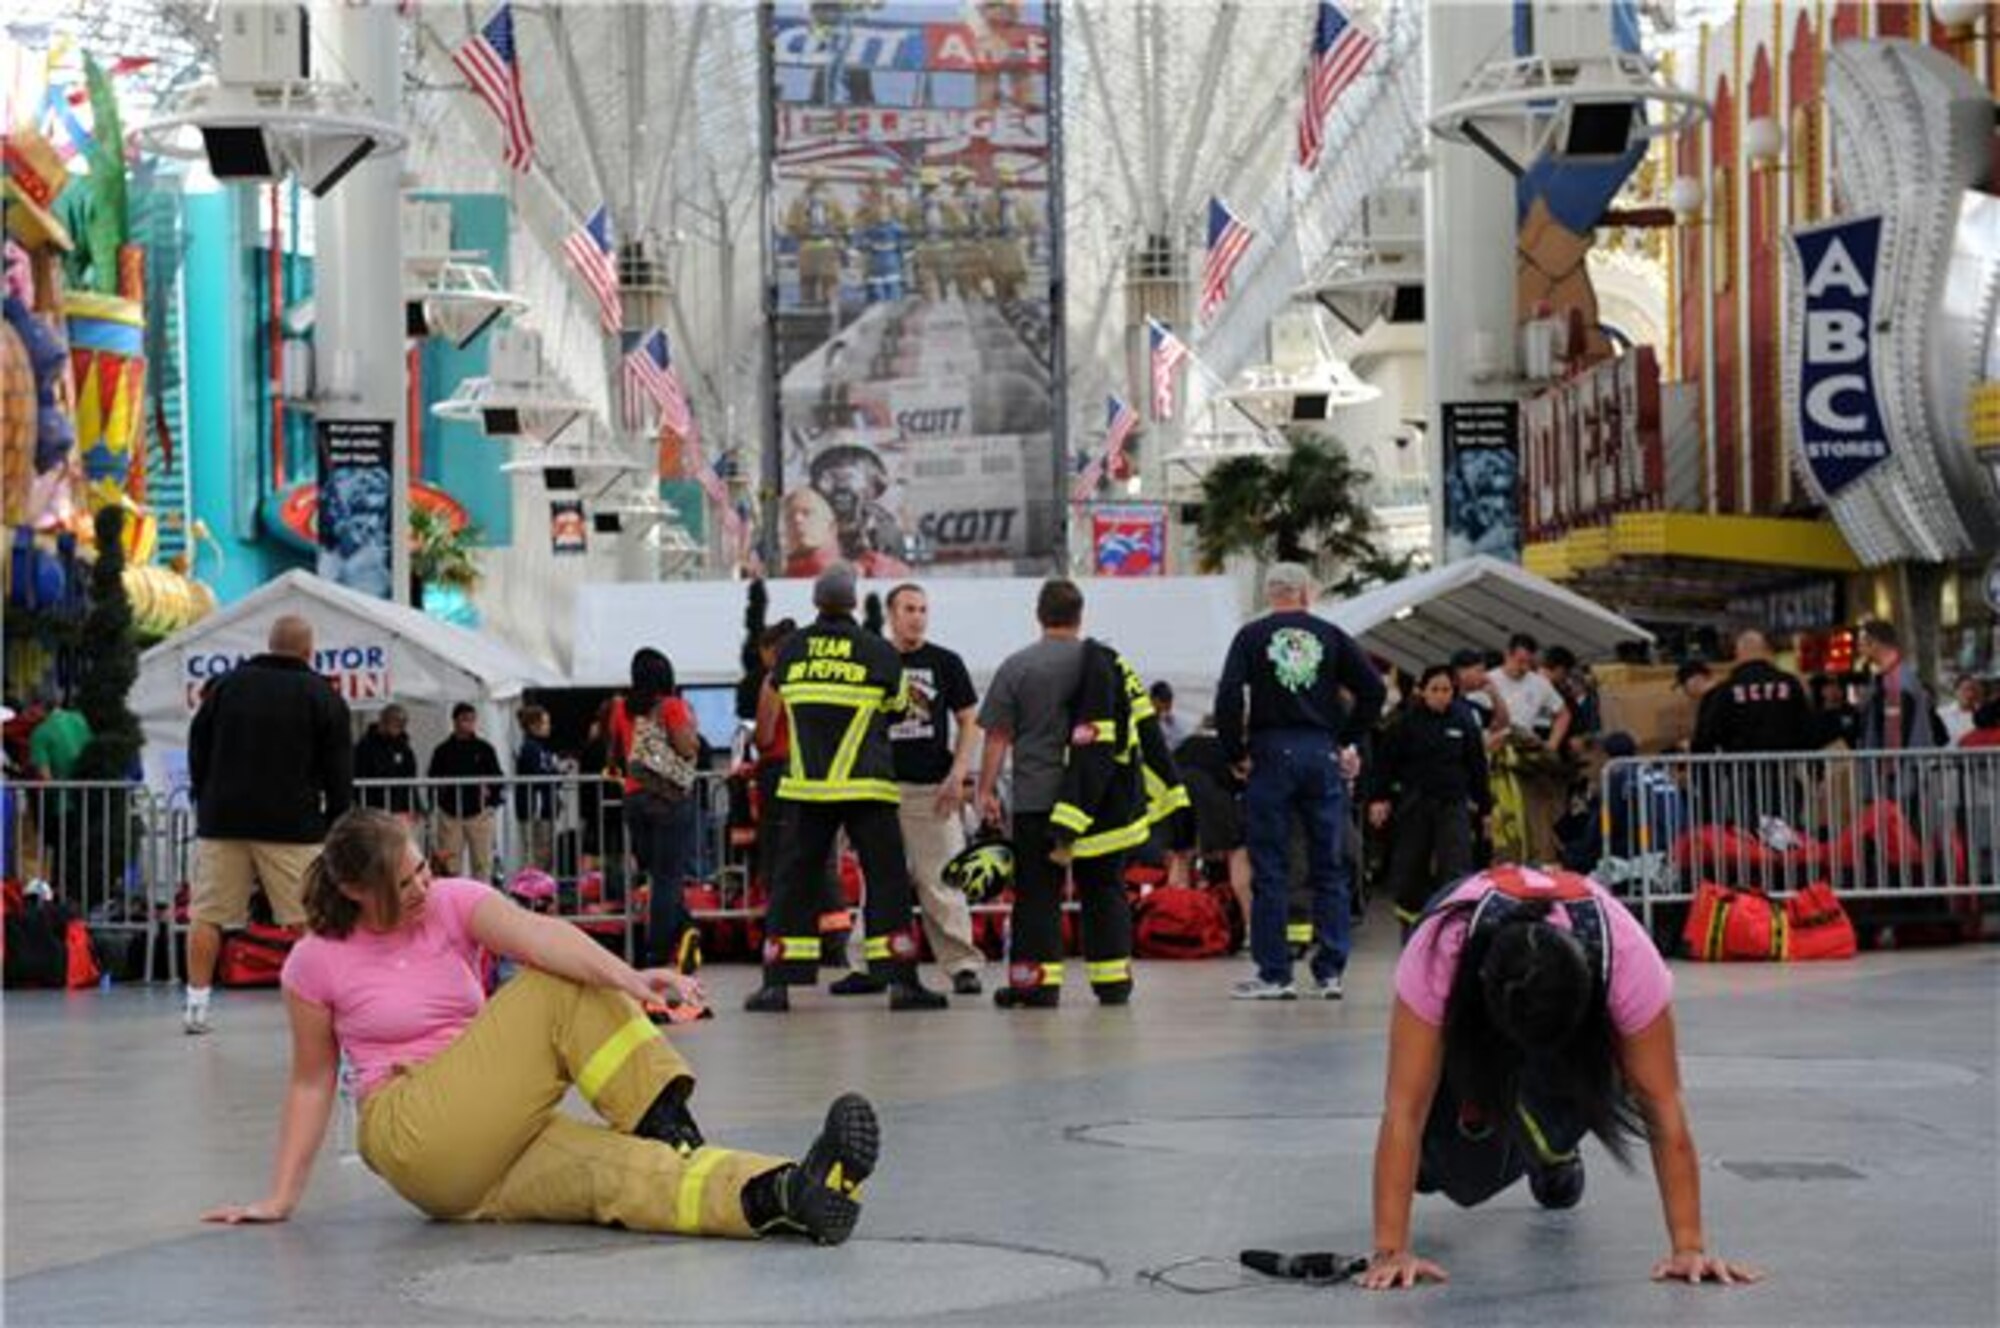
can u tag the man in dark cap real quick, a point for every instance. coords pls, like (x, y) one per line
(837, 683)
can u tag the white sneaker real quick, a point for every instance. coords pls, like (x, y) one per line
(194, 1019)
(1329, 990)
(1256, 989)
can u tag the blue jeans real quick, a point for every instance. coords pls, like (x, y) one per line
(661, 831)
(1296, 771)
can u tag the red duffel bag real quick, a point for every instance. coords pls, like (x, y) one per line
(1817, 926)
(1174, 922)
(1726, 924)
(255, 956)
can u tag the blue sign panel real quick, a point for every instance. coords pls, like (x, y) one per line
(1840, 413)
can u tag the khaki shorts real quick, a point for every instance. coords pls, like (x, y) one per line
(228, 871)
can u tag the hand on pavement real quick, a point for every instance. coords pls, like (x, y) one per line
(1694, 1266)
(264, 1210)
(1391, 1272)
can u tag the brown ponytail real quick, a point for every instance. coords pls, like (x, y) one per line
(363, 854)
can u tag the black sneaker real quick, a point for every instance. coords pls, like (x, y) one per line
(821, 1197)
(1558, 1186)
(769, 999)
(859, 984)
(913, 995)
(965, 982)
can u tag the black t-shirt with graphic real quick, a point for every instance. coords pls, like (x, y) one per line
(939, 687)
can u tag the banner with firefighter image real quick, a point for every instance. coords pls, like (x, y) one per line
(913, 336)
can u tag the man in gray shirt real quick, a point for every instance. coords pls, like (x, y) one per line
(1027, 712)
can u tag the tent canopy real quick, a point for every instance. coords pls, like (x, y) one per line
(373, 651)
(1176, 628)
(1477, 603)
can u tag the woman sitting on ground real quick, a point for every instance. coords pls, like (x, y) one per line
(1531, 1009)
(459, 1095)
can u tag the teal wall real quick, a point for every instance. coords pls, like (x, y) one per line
(229, 394)
(225, 432)
(457, 457)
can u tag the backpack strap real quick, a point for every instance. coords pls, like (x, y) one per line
(1586, 922)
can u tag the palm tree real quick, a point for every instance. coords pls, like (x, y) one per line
(1308, 505)
(439, 554)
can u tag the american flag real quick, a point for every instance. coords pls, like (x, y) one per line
(650, 379)
(1169, 351)
(486, 58)
(1340, 51)
(1120, 422)
(588, 249)
(1228, 237)
(1087, 480)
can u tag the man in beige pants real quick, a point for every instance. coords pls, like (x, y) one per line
(932, 762)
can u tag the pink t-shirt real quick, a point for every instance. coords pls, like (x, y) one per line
(1641, 985)
(397, 998)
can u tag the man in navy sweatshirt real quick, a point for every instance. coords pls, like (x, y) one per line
(1294, 668)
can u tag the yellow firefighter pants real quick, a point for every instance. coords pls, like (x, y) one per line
(476, 1133)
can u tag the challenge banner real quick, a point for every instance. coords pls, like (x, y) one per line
(1129, 539)
(1841, 434)
(1482, 480)
(356, 493)
(913, 334)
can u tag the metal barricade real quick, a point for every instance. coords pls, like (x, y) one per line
(98, 845)
(1875, 825)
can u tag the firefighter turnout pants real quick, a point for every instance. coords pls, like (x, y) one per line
(476, 1134)
(792, 936)
(1035, 944)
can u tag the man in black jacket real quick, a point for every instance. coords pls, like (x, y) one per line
(270, 760)
(384, 752)
(465, 809)
(1294, 668)
(1758, 708)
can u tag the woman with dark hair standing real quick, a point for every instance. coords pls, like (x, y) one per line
(659, 822)
(1429, 775)
(460, 1096)
(1531, 1009)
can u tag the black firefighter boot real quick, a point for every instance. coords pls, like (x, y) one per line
(819, 1196)
(907, 992)
(669, 1121)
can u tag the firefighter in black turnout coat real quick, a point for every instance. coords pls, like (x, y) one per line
(837, 682)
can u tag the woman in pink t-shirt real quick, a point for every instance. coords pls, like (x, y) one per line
(1531, 1009)
(459, 1095)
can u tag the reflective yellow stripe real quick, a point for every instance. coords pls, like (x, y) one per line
(611, 1055)
(1110, 970)
(1114, 840)
(799, 947)
(1539, 1141)
(850, 746)
(832, 693)
(1409, 916)
(687, 1205)
(847, 790)
(1070, 817)
(1105, 729)
(876, 947)
(1299, 932)
(1052, 974)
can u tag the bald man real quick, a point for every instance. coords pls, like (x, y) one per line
(270, 759)
(1758, 708)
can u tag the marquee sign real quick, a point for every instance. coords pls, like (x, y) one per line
(1840, 429)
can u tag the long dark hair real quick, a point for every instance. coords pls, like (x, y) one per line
(652, 681)
(1525, 989)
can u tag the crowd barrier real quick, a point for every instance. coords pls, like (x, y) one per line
(1900, 825)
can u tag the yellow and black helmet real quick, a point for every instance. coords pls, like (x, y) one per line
(982, 870)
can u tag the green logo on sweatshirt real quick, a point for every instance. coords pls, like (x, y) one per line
(1295, 655)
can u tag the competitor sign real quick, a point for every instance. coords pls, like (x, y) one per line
(1840, 428)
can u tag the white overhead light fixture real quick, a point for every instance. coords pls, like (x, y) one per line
(517, 400)
(455, 299)
(1576, 98)
(265, 117)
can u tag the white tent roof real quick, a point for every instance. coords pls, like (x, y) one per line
(1477, 603)
(1176, 628)
(422, 661)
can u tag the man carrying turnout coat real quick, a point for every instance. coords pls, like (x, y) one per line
(837, 682)
(1119, 780)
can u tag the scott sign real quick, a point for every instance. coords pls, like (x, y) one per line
(1839, 412)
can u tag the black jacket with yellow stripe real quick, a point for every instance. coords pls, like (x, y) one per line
(1119, 776)
(838, 681)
